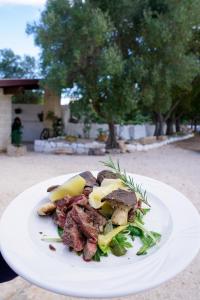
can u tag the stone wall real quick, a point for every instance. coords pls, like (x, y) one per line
(5, 120)
(126, 132)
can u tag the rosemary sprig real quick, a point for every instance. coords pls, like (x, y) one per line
(126, 179)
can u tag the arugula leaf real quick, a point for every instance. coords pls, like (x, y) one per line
(148, 238)
(122, 240)
(135, 231)
(99, 253)
(148, 242)
(139, 216)
(60, 231)
(145, 210)
(120, 244)
(116, 248)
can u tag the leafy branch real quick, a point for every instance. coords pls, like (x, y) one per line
(126, 179)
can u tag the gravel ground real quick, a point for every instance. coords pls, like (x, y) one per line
(171, 164)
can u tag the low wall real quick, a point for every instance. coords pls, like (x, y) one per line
(126, 132)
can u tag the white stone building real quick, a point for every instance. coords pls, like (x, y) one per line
(30, 120)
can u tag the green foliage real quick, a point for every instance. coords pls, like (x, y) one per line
(15, 66)
(78, 49)
(120, 54)
(27, 97)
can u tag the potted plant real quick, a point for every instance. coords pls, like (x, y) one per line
(102, 135)
(41, 116)
(18, 111)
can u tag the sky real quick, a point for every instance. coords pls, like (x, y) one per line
(14, 15)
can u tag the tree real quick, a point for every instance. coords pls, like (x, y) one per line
(166, 56)
(80, 50)
(15, 66)
(157, 34)
(128, 52)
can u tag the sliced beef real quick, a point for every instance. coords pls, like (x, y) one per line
(106, 174)
(98, 220)
(89, 178)
(87, 190)
(79, 200)
(72, 236)
(64, 205)
(60, 213)
(89, 250)
(84, 223)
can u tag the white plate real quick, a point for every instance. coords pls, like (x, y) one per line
(66, 273)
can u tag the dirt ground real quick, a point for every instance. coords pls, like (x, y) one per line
(176, 164)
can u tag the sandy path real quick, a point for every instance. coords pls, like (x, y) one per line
(171, 164)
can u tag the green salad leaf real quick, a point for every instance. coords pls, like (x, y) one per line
(60, 231)
(99, 253)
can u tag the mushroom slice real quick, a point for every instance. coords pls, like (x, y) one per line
(90, 180)
(106, 174)
(46, 209)
(122, 202)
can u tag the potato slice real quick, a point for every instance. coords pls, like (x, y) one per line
(73, 187)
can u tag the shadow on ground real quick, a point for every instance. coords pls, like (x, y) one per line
(192, 144)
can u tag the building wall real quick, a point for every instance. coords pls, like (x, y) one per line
(32, 127)
(5, 120)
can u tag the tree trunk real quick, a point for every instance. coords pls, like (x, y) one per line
(112, 138)
(195, 125)
(178, 127)
(159, 130)
(170, 124)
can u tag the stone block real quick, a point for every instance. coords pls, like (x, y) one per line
(67, 151)
(131, 148)
(148, 140)
(122, 146)
(162, 138)
(16, 151)
(96, 151)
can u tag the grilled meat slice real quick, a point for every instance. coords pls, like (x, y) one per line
(64, 205)
(89, 250)
(87, 190)
(72, 235)
(61, 211)
(98, 220)
(84, 223)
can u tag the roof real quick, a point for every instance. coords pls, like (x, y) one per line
(11, 86)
